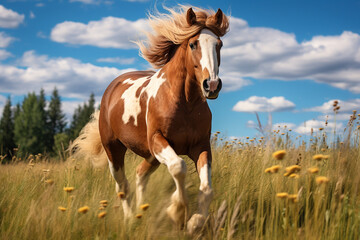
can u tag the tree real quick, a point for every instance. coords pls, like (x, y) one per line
(81, 116)
(7, 142)
(30, 125)
(56, 117)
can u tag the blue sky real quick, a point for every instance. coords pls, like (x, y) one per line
(288, 58)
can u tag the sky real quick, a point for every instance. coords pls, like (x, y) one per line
(285, 60)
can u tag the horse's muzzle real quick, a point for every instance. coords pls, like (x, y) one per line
(211, 88)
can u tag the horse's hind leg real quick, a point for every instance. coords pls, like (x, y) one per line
(143, 172)
(116, 153)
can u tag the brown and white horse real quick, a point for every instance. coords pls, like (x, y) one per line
(161, 115)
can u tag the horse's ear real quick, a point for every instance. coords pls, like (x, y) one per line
(190, 17)
(219, 17)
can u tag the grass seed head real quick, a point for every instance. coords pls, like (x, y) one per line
(279, 155)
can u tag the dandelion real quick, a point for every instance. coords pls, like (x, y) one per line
(145, 206)
(84, 209)
(282, 195)
(292, 169)
(313, 170)
(121, 194)
(62, 209)
(320, 157)
(138, 216)
(273, 169)
(69, 189)
(321, 179)
(102, 214)
(279, 155)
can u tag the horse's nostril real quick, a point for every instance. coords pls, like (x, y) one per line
(205, 85)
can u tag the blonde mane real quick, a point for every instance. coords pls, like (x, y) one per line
(171, 30)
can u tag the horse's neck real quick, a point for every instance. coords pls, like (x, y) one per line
(182, 83)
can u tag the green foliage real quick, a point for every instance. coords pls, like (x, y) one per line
(30, 125)
(81, 117)
(61, 143)
(7, 142)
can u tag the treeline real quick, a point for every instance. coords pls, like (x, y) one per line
(39, 126)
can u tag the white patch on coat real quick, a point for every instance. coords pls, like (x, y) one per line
(132, 106)
(209, 60)
(205, 177)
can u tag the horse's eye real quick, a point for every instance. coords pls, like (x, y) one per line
(192, 46)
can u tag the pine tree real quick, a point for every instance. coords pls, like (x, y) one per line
(82, 116)
(30, 125)
(56, 117)
(7, 142)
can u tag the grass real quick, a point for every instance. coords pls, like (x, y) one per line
(319, 198)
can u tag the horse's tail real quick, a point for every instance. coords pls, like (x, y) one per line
(88, 144)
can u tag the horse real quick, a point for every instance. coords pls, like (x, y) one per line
(162, 114)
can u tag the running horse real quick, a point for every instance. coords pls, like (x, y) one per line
(161, 115)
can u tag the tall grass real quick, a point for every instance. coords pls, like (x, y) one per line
(246, 205)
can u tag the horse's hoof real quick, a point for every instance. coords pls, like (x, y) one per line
(195, 223)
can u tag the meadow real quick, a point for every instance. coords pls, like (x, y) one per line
(280, 186)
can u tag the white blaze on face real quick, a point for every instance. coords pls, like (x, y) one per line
(209, 60)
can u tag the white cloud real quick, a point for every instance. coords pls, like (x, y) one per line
(121, 61)
(93, 2)
(72, 77)
(109, 32)
(315, 125)
(5, 40)
(9, 18)
(32, 15)
(346, 106)
(268, 53)
(263, 104)
(4, 54)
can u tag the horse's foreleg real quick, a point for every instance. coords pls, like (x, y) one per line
(203, 164)
(165, 154)
(143, 172)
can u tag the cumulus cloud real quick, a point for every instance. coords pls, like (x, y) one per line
(5, 40)
(72, 77)
(4, 54)
(10, 18)
(121, 61)
(346, 106)
(263, 104)
(93, 2)
(109, 32)
(268, 53)
(315, 125)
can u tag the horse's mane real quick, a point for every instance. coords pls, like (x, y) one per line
(171, 30)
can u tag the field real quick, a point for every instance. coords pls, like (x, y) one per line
(313, 193)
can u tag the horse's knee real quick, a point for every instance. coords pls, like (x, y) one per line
(177, 168)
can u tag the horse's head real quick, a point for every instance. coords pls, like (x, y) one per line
(204, 53)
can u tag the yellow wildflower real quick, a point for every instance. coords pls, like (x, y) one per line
(313, 170)
(69, 189)
(102, 215)
(121, 194)
(83, 209)
(138, 215)
(279, 155)
(145, 206)
(320, 157)
(273, 169)
(62, 209)
(282, 195)
(322, 179)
